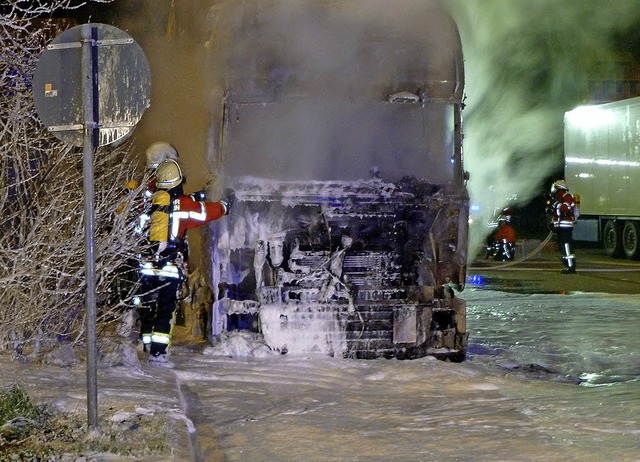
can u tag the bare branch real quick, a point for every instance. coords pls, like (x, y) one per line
(41, 200)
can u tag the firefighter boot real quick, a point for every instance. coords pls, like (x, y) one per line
(159, 353)
(160, 359)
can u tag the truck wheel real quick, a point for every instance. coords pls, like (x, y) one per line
(630, 239)
(612, 239)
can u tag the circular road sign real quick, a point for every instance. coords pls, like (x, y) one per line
(122, 93)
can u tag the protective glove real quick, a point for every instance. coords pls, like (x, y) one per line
(549, 208)
(229, 197)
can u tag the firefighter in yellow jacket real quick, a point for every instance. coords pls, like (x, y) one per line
(172, 214)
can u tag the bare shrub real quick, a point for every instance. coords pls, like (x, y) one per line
(42, 203)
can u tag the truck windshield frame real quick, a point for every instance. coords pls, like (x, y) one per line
(325, 139)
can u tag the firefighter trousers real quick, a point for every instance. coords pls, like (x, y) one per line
(156, 318)
(565, 240)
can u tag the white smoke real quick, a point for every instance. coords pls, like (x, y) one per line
(526, 63)
(330, 65)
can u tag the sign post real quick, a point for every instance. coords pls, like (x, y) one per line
(91, 87)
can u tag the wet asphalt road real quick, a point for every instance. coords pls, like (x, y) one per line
(539, 272)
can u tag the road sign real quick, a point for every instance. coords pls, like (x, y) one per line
(121, 70)
(90, 88)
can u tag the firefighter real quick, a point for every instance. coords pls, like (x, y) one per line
(561, 207)
(164, 271)
(155, 154)
(159, 151)
(504, 240)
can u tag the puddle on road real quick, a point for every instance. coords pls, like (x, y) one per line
(501, 284)
(516, 286)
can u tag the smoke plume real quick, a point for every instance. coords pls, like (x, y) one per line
(526, 64)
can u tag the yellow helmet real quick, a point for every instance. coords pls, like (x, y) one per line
(168, 174)
(159, 151)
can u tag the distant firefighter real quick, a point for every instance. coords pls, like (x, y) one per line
(562, 209)
(504, 241)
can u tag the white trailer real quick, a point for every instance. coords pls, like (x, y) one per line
(602, 165)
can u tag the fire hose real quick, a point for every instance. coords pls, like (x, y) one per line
(526, 257)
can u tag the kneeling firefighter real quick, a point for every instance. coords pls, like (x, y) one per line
(164, 271)
(504, 245)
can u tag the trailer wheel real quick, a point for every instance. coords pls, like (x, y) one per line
(612, 238)
(630, 239)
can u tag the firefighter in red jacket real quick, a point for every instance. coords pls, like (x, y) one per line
(172, 214)
(505, 238)
(563, 212)
(504, 241)
(157, 152)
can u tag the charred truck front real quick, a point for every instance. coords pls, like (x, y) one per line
(339, 128)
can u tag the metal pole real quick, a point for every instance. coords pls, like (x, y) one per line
(88, 88)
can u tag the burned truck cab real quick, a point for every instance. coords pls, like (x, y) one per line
(340, 131)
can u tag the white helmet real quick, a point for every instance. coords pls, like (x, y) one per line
(159, 151)
(559, 185)
(505, 215)
(168, 174)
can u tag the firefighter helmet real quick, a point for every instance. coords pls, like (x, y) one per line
(168, 174)
(159, 151)
(505, 215)
(558, 186)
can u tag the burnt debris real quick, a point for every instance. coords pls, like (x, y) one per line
(358, 269)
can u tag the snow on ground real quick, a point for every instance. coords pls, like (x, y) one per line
(237, 400)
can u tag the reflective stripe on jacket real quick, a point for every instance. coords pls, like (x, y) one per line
(187, 213)
(171, 218)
